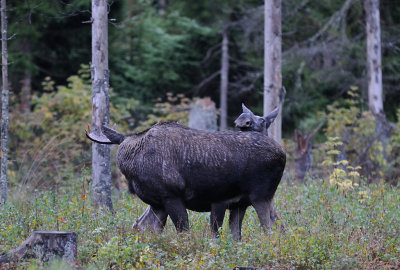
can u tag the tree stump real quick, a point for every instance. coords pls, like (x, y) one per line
(45, 245)
(203, 115)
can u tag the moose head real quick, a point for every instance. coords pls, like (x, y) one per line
(248, 121)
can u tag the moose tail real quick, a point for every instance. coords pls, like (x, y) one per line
(107, 136)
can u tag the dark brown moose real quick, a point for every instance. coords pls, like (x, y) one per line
(247, 121)
(173, 168)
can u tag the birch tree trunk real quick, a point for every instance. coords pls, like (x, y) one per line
(273, 64)
(374, 66)
(101, 168)
(224, 80)
(4, 106)
(374, 60)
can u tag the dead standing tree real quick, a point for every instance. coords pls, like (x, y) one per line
(273, 63)
(224, 78)
(4, 106)
(374, 66)
(101, 167)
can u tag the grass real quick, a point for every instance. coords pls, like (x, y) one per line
(327, 228)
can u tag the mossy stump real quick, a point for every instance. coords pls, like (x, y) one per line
(45, 246)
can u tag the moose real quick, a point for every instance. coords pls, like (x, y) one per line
(173, 168)
(247, 121)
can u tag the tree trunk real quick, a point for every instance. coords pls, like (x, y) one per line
(224, 80)
(374, 62)
(374, 66)
(45, 245)
(272, 64)
(101, 167)
(303, 156)
(4, 106)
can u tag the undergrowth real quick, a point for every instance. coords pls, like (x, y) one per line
(326, 229)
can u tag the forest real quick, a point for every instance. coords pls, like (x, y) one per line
(329, 68)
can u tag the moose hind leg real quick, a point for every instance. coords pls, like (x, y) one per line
(217, 217)
(263, 209)
(177, 211)
(275, 217)
(236, 216)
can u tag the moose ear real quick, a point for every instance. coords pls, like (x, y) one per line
(245, 110)
(272, 115)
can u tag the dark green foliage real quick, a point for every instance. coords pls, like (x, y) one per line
(50, 39)
(153, 54)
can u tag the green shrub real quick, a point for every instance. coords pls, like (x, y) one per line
(360, 145)
(325, 230)
(48, 145)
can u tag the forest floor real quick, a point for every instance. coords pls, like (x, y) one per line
(327, 228)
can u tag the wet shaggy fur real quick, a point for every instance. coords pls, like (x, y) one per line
(170, 160)
(173, 168)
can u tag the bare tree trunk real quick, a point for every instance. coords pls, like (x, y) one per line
(374, 65)
(273, 74)
(224, 80)
(4, 106)
(273, 63)
(101, 167)
(303, 156)
(374, 62)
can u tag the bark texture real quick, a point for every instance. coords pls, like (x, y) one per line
(374, 66)
(224, 80)
(101, 169)
(273, 63)
(374, 59)
(45, 245)
(4, 106)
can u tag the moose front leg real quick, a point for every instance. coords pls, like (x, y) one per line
(275, 217)
(236, 216)
(217, 217)
(263, 209)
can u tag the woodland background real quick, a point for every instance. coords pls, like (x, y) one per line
(163, 56)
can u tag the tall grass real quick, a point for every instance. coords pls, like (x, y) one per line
(326, 229)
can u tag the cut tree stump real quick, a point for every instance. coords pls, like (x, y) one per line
(203, 115)
(45, 245)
